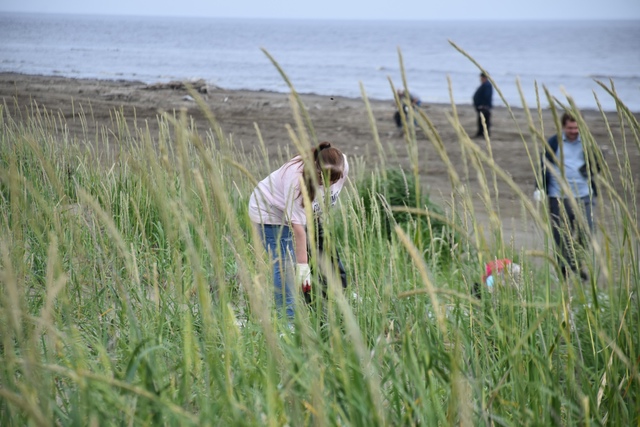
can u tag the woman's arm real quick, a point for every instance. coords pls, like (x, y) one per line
(300, 238)
(303, 272)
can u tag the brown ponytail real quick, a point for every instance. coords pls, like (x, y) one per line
(329, 164)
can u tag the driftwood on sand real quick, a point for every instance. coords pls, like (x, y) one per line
(199, 85)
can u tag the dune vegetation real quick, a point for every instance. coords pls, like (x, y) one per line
(134, 290)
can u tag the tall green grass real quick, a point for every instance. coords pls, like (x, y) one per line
(135, 292)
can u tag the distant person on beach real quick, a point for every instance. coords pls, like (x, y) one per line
(576, 175)
(483, 102)
(277, 209)
(406, 100)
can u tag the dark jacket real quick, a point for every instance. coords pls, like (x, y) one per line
(483, 96)
(549, 155)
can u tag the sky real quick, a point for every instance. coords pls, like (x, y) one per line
(343, 9)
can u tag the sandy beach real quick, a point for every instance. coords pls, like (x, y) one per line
(343, 121)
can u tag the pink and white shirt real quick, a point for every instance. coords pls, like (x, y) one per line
(276, 199)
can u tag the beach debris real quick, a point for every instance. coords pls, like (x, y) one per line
(506, 269)
(188, 98)
(200, 85)
(116, 96)
(499, 267)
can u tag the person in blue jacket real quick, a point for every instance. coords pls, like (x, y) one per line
(578, 171)
(483, 102)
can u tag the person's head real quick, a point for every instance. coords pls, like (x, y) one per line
(328, 166)
(329, 163)
(570, 127)
(483, 77)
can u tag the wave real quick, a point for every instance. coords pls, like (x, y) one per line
(87, 49)
(614, 77)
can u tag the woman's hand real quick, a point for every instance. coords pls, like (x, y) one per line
(303, 275)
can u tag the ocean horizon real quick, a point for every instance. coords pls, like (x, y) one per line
(334, 58)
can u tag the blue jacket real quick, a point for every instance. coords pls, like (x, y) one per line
(483, 96)
(549, 155)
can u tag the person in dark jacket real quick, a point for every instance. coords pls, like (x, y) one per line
(413, 100)
(575, 179)
(483, 102)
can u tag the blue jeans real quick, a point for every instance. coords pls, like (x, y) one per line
(278, 242)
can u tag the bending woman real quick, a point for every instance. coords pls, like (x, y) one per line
(277, 208)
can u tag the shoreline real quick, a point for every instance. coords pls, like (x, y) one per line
(129, 82)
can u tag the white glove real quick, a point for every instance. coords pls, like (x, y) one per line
(538, 195)
(303, 274)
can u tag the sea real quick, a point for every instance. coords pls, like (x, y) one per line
(338, 57)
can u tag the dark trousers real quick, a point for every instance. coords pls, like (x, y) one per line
(486, 112)
(397, 118)
(569, 232)
(334, 259)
